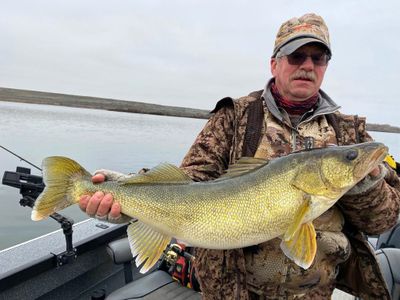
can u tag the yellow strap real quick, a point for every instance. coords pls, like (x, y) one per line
(390, 161)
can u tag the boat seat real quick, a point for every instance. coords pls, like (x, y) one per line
(160, 285)
(373, 241)
(389, 261)
(155, 286)
(120, 251)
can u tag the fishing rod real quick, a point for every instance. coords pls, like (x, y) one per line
(21, 158)
(31, 186)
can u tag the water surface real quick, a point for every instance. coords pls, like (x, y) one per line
(96, 139)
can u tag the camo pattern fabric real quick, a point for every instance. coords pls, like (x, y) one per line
(240, 273)
(308, 25)
(271, 275)
(279, 140)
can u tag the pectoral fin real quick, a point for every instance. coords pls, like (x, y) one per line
(146, 244)
(299, 218)
(302, 247)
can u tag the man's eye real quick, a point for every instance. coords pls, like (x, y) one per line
(298, 55)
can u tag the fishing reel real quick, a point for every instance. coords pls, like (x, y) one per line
(178, 262)
(172, 253)
(30, 186)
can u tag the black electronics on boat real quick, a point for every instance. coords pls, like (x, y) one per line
(30, 186)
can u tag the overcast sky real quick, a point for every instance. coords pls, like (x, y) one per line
(192, 53)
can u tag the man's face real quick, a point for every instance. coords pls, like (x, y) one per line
(299, 82)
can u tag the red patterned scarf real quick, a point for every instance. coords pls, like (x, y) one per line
(293, 107)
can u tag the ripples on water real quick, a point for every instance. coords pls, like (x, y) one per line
(96, 139)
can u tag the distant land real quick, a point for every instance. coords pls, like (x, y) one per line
(37, 97)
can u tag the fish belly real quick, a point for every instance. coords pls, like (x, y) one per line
(220, 216)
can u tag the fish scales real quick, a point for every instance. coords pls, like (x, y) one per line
(280, 198)
(225, 214)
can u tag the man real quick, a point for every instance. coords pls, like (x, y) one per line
(291, 113)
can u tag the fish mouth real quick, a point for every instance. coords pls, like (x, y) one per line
(374, 154)
(380, 154)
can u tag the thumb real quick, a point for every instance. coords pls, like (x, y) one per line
(98, 178)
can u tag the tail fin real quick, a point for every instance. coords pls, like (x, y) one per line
(59, 175)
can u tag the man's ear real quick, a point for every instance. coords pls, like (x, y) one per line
(273, 63)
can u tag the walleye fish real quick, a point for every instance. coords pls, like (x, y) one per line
(254, 202)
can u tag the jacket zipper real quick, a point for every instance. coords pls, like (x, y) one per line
(316, 115)
(293, 140)
(294, 130)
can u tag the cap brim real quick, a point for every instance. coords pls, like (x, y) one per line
(292, 46)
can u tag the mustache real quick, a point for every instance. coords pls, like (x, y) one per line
(301, 74)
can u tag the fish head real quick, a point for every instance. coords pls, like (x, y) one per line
(331, 172)
(343, 167)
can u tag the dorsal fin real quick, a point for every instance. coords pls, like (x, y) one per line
(242, 166)
(163, 173)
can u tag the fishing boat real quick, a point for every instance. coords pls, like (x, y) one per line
(92, 259)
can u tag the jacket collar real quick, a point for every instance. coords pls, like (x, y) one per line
(325, 104)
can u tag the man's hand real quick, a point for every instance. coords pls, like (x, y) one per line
(375, 172)
(369, 181)
(100, 204)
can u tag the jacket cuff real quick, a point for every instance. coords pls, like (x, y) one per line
(368, 183)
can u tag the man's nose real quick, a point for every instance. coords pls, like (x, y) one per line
(308, 64)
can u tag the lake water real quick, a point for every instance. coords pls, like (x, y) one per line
(96, 139)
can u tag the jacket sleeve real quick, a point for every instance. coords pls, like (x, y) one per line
(373, 205)
(208, 157)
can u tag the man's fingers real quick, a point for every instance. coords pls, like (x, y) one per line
(98, 178)
(94, 203)
(375, 172)
(105, 205)
(83, 202)
(115, 211)
(99, 204)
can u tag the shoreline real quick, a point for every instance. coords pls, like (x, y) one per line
(57, 99)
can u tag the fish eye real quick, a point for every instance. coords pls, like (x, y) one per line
(351, 154)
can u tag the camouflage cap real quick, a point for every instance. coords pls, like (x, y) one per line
(297, 32)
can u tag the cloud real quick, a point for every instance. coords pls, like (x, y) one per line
(191, 53)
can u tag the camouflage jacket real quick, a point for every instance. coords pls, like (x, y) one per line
(223, 274)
